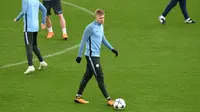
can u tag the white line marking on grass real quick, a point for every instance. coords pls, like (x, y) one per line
(59, 52)
(78, 7)
(47, 56)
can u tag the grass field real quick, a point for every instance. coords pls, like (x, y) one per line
(158, 68)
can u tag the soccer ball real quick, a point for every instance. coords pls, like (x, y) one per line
(119, 104)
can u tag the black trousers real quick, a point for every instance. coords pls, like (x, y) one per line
(172, 4)
(93, 67)
(30, 39)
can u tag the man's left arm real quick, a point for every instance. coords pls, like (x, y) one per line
(107, 44)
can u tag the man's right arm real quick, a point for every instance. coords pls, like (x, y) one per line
(24, 10)
(86, 35)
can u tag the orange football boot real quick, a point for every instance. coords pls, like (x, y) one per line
(50, 35)
(110, 102)
(65, 36)
(79, 99)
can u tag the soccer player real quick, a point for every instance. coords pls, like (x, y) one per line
(30, 10)
(56, 6)
(93, 37)
(171, 5)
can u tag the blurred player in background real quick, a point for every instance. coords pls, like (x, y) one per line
(171, 5)
(56, 6)
(30, 10)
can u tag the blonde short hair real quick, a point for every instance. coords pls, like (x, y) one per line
(99, 12)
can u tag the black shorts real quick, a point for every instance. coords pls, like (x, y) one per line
(55, 5)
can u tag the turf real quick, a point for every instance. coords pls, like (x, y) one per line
(157, 69)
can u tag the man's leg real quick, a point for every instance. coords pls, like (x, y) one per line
(36, 50)
(49, 24)
(28, 38)
(183, 7)
(63, 26)
(171, 4)
(35, 47)
(58, 11)
(49, 27)
(97, 70)
(48, 6)
(182, 4)
(87, 76)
